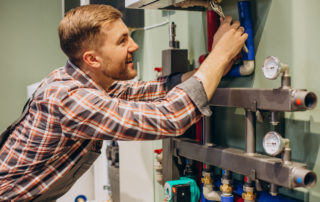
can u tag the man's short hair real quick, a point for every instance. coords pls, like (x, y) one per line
(80, 29)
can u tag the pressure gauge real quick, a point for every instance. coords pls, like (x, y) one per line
(273, 143)
(271, 67)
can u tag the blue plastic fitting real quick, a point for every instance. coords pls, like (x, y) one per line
(227, 198)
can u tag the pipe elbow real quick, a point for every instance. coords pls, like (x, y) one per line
(210, 194)
(247, 68)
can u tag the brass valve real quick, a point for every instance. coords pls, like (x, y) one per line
(225, 188)
(206, 180)
(248, 196)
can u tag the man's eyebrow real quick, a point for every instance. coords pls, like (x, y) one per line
(123, 35)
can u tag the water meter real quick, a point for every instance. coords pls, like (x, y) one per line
(273, 143)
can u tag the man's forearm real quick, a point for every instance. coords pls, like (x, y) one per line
(187, 75)
(211, 72)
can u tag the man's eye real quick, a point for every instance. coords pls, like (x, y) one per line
(123, 40)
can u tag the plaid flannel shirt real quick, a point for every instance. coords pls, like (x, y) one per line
(68, 109)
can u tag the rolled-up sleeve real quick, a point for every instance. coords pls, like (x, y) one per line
(194, 88)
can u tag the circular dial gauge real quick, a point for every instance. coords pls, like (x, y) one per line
(272, 143)
(271, 67)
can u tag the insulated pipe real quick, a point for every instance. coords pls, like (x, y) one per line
(244, 9)
(212, 27)
(247, 66)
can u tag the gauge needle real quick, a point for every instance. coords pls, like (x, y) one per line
(218, 9)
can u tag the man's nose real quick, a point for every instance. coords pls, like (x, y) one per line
(133, 46)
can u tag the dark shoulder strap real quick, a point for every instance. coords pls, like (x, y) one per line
(4, 136)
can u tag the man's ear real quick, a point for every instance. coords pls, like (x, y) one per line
(91, 58)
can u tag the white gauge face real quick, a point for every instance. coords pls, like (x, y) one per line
(272, 143)
(271, 67)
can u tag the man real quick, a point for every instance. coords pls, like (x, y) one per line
(90, 100)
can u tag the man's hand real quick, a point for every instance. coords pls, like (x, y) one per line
(225, 25)
(223, 28)
(227, 47)
(229, 66)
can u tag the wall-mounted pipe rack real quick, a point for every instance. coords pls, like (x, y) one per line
(255, 166)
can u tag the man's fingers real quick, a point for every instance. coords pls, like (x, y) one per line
(221, 20)
(227, 20)
(240, 30)
(235, 24)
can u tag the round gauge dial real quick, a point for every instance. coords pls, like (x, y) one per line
(271, 67)
(272, 143)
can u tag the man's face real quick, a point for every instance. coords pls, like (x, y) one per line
(116, 52)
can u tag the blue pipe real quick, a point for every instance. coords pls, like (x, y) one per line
(227, 198)
(234, 72)
(244, 9)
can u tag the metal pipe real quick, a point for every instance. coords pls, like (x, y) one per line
(305, 99)
(207, 130)
(250, 132)
(286, 78)
(273, 190)
(248, 189)
(274, 121)
(286, 154)
(279, 99)
(172, 35)
(303, 177)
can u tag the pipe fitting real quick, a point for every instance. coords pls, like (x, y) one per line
(302, 99)
(248, 196)
(158, 166)
(209, 194)
(248, 191)
(247, 68)
(206, 180)
(226, 189)
(273, 190)
(207, 189)
(302, 177)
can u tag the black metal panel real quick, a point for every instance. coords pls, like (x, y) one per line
(174, 60)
